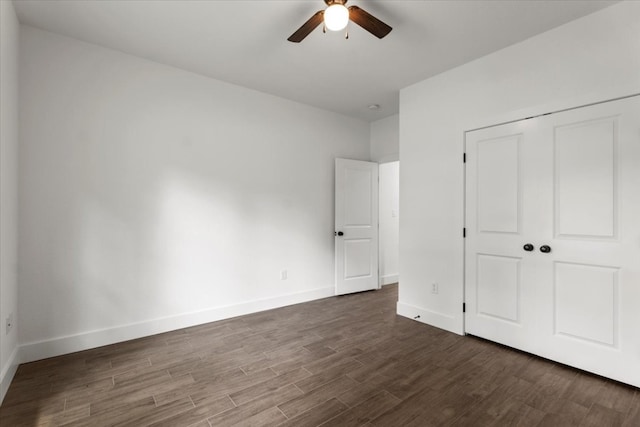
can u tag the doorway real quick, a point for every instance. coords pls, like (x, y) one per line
(389, 217)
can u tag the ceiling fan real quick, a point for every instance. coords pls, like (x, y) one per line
(336, 17)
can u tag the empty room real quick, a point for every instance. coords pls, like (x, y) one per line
(319, 213)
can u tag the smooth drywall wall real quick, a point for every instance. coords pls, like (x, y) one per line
(9, 34)
(385, 139)
(153, 198)
(591, 59)
(389, 217)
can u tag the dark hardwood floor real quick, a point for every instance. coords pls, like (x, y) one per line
(343, 361)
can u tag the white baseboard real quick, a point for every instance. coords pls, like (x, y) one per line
(8, 372)
(389, 279)
(32, 351)
(433, 318)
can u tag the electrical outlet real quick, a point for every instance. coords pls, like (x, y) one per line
(9, 323)
(434, 288)
(283, 275)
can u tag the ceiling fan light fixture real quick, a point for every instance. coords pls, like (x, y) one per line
(336, 17)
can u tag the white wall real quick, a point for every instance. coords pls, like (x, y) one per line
(591, 59)
(9, 34)
(385, 139)
(153, 198)
(389, 216)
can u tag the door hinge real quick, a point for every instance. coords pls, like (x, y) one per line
(464, 307)
(464, 157)
(464, 232)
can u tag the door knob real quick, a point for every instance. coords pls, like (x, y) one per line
(528, 247)
(545, 249)
(339, 233)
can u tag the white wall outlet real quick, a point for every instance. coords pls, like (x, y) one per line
(434, 288)
(9, 323)
(283, 275)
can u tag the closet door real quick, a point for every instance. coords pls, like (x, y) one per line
(553, 237)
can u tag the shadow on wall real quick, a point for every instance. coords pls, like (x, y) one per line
(205, 245)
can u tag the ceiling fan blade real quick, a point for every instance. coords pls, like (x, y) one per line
(369, 22)
(307, 27)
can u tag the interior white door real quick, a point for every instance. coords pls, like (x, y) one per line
(356, 222)
(568, 185)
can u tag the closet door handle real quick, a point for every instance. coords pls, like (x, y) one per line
(545, 249)
(528, 247)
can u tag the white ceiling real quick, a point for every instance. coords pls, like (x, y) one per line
(245, 42)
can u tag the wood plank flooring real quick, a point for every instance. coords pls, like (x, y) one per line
(343, 361)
